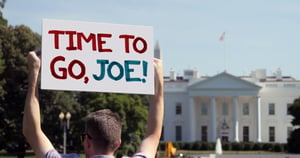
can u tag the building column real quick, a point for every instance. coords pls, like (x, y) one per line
(258, 117)
(235, 119)
(192, 119)
(213, 119)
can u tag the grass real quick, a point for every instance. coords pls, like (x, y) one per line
(191, 152)
(207, 152)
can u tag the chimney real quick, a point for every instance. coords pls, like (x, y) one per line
(173, 75)
(278, 74)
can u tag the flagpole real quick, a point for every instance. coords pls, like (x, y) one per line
(225, 61)
(222, 39)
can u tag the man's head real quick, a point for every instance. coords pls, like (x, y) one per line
(103, 129)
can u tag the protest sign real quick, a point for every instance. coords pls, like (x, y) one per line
(99, 57)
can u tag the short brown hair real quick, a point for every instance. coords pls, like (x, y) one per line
(104, 127)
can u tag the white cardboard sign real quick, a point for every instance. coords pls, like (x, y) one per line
(99, 57)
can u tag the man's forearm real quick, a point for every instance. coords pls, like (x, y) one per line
(156, 109)
(154, 126)
(156, 113)
(31, 118)
(155, 116)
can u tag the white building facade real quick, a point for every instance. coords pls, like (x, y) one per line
(236, 109)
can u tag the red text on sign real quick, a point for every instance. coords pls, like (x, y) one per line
(97, 40)
(63, 72)
(135, 42)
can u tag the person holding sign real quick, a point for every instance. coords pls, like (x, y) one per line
(102, 135)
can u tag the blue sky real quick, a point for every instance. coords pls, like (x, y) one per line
(259, 33)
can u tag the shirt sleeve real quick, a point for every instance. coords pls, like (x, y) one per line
(139, 155)
(52, 154)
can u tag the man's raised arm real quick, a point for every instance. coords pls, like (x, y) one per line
(31, 119)
(156, 113)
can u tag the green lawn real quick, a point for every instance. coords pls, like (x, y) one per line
(191, 152)
(206, 152)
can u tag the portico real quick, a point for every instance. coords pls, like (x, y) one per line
(224, 106)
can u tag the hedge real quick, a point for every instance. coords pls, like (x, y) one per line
(234, 146)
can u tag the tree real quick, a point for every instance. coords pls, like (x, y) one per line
(2, 3)
(2, 20)
(15, 43)
(2, 91)
(52, 104)
(3, 23)
(130, 108)
(294, 138)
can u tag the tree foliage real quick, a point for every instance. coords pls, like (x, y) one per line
(2, 20)
(15, 43)
(52, 104)
(130, 108)
(294, 138)
(2, 3)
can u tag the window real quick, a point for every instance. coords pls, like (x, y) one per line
(287, 108)
(178, 133)
(225, 109)
(204, 109)
(246, 109)
(178, 109)
(204, 133)
(246, 134)
(271, 109)
(272, 134)
(225, 139)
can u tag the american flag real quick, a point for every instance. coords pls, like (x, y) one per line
(222, 37)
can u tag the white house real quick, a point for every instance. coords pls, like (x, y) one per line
(234, 108)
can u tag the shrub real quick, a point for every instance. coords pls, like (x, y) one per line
(248, 146)
(294, 141)
(162, 146)
(206, 146)
(226, 146)
(187, 146)
(177, 145)
(237, 146)
(196, 146)
(182, 145)
(257, 146)
(278, 147)
(267, 146)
